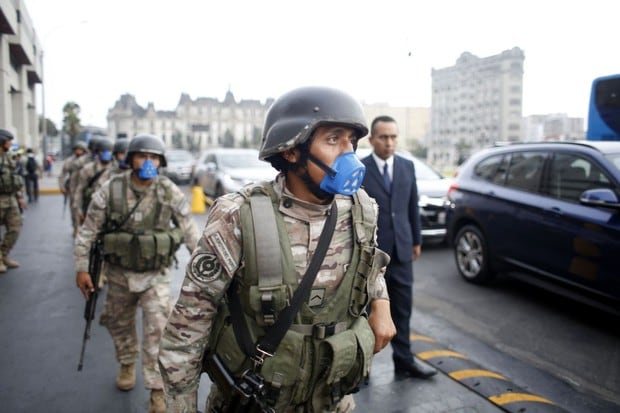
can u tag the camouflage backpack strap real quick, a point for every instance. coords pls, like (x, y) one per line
(117, 205)
(364, 217)
(268, 264)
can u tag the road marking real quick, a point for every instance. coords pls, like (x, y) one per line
(507, 398)
(466, 374)
(427, 355)
(420, 337)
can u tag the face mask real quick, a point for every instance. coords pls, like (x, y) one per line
(344, 177)
(147, 171)
(106, 156)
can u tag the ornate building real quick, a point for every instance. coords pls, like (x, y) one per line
(194, 124)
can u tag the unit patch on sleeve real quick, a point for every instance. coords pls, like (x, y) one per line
(206, 267)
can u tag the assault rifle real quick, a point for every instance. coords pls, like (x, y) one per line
(94, 269)
(242, 396)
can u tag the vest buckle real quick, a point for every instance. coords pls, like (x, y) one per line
(260, 356)
(323, 330)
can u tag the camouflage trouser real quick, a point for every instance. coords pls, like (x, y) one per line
(119, 316)
(12, 219)
(75, 217)
(346, 405)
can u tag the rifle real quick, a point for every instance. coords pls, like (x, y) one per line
(94, 269)
(245, 395)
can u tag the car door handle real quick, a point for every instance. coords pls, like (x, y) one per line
(554, 211)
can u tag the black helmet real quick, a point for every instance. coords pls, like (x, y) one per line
(146, 144)
(120, 146)
(5, 135)
(294, 116)
(92, 143)
(103, 143)
(80, 145)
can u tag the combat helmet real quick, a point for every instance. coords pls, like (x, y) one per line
(120, 146)
(80, 145)
(103, 143)
(294, 116)
(146, 143)
(5, 135)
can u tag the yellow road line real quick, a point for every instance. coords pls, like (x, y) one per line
(466, 374)
(507, 398)
(425, 355)
(419, 337)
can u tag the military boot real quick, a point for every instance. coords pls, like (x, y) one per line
(126, 378)
(158, 402)
(10, 263)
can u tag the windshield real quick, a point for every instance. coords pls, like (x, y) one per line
(179, 156)
(242, 160)
(423, 171)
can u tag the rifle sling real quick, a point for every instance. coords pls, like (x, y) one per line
(274, 334)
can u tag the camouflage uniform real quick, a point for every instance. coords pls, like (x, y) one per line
(127, 289)
(220, 247)
(76, 166)
(9, 207)
(85, 175)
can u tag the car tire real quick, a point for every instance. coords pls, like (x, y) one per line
(219, 190)
(472, 255)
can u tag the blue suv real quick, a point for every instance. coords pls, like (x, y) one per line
(551, 211)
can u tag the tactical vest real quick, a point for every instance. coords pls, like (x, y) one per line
(329, 350)
(144, 246)
(9, 182)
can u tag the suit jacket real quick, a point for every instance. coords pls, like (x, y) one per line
(399, 215)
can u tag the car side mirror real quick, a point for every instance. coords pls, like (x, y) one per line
(602, 197)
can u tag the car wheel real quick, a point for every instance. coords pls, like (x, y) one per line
(472, 255)
(219, 190)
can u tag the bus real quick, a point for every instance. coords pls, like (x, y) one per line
(604, 110)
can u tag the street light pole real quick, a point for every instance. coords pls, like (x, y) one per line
(44, 137)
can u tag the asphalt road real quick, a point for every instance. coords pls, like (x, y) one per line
(42, 326)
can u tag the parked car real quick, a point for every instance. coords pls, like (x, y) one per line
(549, 210)
(432, 195)
(180, 166)
(223, 170)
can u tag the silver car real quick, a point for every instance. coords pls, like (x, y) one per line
(180, 166)
(223, 170)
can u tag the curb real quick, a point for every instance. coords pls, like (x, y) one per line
(49, 191)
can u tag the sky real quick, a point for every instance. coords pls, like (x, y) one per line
(378, 51)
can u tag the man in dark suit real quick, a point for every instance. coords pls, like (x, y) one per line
(390, 180)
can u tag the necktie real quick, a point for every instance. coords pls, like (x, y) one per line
(387, 182)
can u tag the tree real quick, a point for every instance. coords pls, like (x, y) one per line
(50, 127)
(71, 121)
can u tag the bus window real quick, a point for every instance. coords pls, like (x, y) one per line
(604, 111)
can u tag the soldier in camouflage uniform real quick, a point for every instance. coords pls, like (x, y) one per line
(76, 167)
(90, 177)
(64, 179)
(11, 200)
(309, 135)
(143, 218)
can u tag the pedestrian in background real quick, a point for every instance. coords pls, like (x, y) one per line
(258, 244)
(11, 200)
(391, 181)
(33, 171)
(143, 218)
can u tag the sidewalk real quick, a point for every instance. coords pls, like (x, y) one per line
(48, 184)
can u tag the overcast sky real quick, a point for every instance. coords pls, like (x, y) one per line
(379, 51)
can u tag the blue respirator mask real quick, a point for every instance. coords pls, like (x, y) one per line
(344, 177)
(148, 170)
(105, 156)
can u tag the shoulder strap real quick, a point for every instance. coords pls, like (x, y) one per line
(268, 344)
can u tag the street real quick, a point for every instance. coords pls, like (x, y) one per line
(563, 352)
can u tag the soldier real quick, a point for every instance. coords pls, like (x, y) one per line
(11, 200)
(90, 176)
(77, 166)
(64, 179)
(143, 218)
(253, 252)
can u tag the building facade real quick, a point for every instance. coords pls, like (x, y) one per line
(195, 124)
(475, 103)
(553, 127)
(21, 68)
(202, 123)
